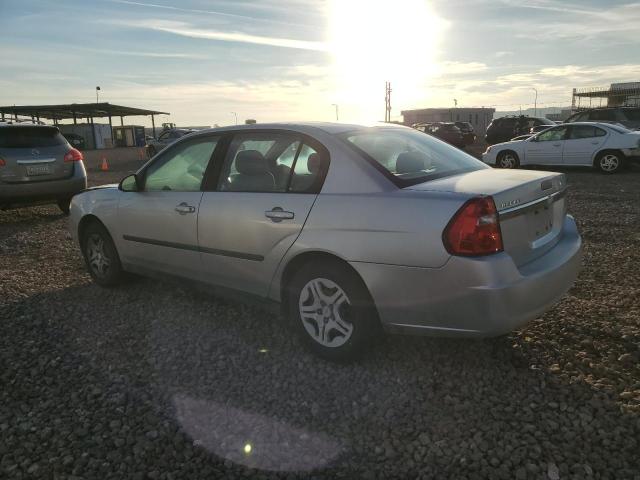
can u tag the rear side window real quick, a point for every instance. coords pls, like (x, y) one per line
(607, 115)
(585, 131)
(272, 162)
(407, 157)
(30, 137)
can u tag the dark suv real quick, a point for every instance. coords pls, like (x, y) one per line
(445, 131)
(504, 129)
(627, 116)
(468, 133)
(37, 165)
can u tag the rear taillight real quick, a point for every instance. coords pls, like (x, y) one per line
(73, 155)
(474, 230)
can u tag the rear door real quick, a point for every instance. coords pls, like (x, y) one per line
(257, 206)
(159, 224)
(33, 154)
(583, 141)
(546, 148)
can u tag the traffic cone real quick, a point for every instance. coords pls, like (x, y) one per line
(104, 166)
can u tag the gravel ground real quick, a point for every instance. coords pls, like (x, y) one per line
(154, 380)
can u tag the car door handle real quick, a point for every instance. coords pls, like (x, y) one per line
(185, 208)
(595, 143)
(277, 214)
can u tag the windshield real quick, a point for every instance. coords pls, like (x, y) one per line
(408, 157)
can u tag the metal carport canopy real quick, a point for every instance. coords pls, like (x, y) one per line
(77, 110)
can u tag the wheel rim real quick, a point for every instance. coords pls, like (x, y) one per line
(609, 163)
(325, 310)
(508, 161)
(98, 260)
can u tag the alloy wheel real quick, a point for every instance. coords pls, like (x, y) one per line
(325, 310)
(98, 260)
(609, 163)
(508, 160)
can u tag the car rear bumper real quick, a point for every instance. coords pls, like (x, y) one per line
(474, 297)
(27, 192)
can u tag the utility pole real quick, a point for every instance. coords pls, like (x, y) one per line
(535, 103)
(235, 115)
(336, 105)
(387, 101)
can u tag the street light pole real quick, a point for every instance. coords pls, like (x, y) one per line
(535, 102)
(336, 105)
(236, 115)
(97, 90)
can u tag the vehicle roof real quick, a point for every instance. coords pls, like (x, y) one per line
(622, 107)
(25, 124)
(309, 127)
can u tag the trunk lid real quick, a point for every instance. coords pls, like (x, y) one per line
(33, 154)
(531, 206)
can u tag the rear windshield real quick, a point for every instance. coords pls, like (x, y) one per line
(30, 137)
(409, 157)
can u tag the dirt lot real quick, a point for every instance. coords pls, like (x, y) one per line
(154, 380)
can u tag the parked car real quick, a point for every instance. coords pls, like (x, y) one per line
(445, 131)
(468, 134)
(521, 137)
(539, 128)
(37, 165)
(626, 116)
(504, 128)
(166, 137)
(349, 228)
(600, 145)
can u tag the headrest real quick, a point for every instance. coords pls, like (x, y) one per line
(251, 162)
(314, 163)
(409, 162)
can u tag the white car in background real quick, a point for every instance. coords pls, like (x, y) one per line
(604, 146)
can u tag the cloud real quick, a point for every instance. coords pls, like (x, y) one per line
(187, 30)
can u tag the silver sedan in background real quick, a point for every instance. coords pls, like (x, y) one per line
(349, 228)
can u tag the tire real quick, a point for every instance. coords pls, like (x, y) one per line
(100, 256)
(331, 309)
(508, 159)
(610, 162)
(64, 204)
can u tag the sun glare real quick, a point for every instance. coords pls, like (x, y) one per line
(373, 41)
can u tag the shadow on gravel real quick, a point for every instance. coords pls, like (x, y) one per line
(153, 378)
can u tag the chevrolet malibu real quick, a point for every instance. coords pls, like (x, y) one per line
(348, 228)
(601, 145)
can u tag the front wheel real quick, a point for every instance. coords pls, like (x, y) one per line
(101, 256)
(508, 160)
(331, 309)
(610, 162)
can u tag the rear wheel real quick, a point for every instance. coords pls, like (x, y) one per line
(101, 256)
(508, 160)
(610, 162)
(63, 204)
(331, 309)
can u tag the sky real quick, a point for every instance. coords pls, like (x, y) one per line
(284, 60)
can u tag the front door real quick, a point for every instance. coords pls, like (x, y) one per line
(546, 147)
(582, 143)
(266, 188)
(160, 222)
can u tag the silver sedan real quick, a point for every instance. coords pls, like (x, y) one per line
(350, 229)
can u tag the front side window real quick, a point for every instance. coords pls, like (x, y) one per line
(408, 157)
(552, 135)
(182, 167)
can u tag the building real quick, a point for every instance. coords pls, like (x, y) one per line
(480, 118)
(616, 95)
(561, 116)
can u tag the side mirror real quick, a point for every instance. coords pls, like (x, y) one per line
(130, 183)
